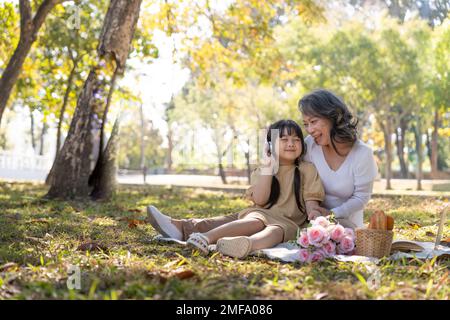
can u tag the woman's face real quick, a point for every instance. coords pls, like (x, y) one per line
(318, 128)
(289, 146)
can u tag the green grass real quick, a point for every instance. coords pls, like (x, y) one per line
(39, 241)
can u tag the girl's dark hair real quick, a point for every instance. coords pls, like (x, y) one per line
(291, 127)
(325, 104)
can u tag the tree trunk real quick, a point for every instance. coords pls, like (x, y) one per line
(72, 167)
(41, 142)
(222, 172)
(428, 144)
(170, 147)
(418, 136)
(104, 186)
(33, 138)
(400, 142)
(247, 160)
(434, 146)
(386, 127)
(142, 155)
(29, 28)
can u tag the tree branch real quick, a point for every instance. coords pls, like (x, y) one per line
(25, 15)
(43, 11)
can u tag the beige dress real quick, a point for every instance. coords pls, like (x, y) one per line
(285, 213)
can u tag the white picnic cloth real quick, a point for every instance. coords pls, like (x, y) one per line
(289, 252)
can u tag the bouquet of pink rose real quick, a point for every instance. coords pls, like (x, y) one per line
(325, 239)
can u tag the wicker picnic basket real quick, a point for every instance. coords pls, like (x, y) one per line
(373, 242)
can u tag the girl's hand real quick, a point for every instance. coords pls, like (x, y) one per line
(314, 213)
(323, 212)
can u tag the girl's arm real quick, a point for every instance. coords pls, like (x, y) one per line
(261, 191)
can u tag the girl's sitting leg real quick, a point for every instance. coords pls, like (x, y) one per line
(243, 227)
(240, 247)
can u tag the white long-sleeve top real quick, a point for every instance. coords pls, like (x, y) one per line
(348, 189)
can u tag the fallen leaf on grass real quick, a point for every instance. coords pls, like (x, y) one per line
(7, 266)
(91, 246)
(132, 221)
(445, 242)
(180, 273)
(430, 234)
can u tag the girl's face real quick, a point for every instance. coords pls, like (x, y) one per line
(289, 147)
(318, 128)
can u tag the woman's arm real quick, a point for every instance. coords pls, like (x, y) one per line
(356, 202)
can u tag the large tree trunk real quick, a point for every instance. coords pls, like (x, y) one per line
(434, 146)
(104, 186)
(72, 164)
(73, 161)
(418, 136)
(29, 28)
(96, 174)
(386, 127)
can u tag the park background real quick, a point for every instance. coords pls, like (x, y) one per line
(180, 99)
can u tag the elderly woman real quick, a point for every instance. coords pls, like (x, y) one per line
(345, 165)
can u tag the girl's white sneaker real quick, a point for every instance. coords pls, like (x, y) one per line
(163, 224)
(237, 247)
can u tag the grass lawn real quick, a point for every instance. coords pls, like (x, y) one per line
(41, 239)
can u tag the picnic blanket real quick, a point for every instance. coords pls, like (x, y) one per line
(289, 252)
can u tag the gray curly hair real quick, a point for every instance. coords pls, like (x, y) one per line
(323, 103)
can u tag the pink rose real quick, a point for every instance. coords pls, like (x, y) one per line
(326, 237)
(329, 248)
(303, 240)
(316, 235)
(337, 232)
(322, 221)
(317, 255)
(304, 255)
(346, 245)
(349, 233)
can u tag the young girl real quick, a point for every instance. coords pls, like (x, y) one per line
(284, 194)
